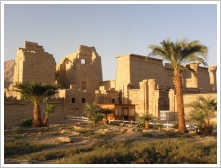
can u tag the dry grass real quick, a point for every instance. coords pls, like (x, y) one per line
(110, 148)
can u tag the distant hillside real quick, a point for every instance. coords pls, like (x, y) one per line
(8, 72)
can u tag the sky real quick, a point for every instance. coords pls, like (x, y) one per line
(113, 29)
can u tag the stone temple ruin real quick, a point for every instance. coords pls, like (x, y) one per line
(141, 86)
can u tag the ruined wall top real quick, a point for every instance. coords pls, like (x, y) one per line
(83, 52)
(32, 63)
(32, 47)
(212, 68)
(86, 49)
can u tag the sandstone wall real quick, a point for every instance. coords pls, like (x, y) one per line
(122, 72)
(148, 99)
(140, 69)
(103, 96)
(73, 100)
(108, 84)
(204, 80)
(33, 64)
(17, 110)
(82, 68)
(131, 69)
(134, 68)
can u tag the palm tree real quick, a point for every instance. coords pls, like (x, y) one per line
(179, 54)
(49, 109)
(36, 92)
(93, 112)
(203, 108)
(145, 118)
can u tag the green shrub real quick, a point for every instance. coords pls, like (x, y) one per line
(154, 127)
(149, 135)
(47, 155)
(102, 136)
(178, 151)
(14, 135)
(159, 126)
(153, 152)
(85, 132)
(140, 125)
(175, 125)
(163, 136)
(26, 123)
(19, 148)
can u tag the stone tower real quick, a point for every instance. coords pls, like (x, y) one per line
(82, 68)
(212, 71)
(33, 64)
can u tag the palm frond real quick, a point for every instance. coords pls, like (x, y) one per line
(49, 109)
(203, 107)
(180, 53)
(35, 91)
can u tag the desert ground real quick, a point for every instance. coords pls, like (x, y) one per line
(67, 135)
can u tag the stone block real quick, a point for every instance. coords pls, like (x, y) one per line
(65, 139)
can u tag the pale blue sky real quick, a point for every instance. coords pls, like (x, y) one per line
(112, 29)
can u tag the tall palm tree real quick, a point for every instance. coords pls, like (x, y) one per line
(178, 54)
(36, 93)
(203, 108)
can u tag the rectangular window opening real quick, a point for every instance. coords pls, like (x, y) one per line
(73, 100)
(83, 100)
(113, 100)
(83, 61)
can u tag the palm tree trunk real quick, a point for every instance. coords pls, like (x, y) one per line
(179, 99)
(37, 115)
(147, 125)
(45, 121)
(206, 127)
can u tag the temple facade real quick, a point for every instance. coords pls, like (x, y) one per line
(141, 83)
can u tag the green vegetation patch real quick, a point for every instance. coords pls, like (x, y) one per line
(55, 154)
(179, 151)
(102, 136)
(86, 132)
(17, 148)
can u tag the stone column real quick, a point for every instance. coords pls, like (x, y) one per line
(124, 94)
(172, 101)
(172, 104)
(151, 88)
(194, 77)
(212, 74)
(158, 103)
(145, 91)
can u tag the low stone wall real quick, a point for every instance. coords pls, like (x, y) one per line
(16, 111)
